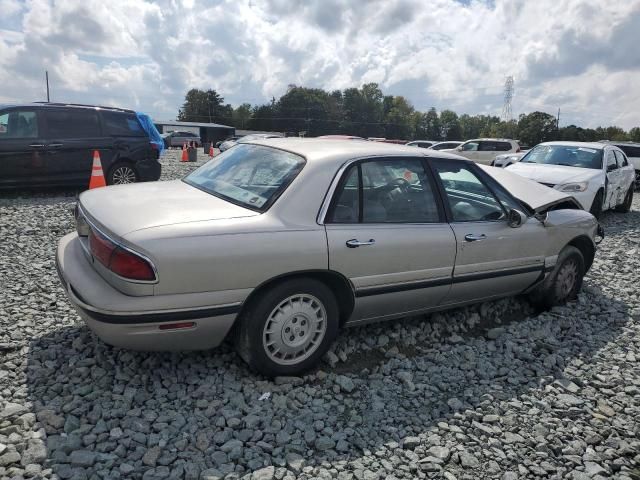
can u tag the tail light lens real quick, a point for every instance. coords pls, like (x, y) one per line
(121, 262)
(518, 150)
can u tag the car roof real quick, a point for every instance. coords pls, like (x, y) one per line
(595, 145)
(491, 140)
(335, 150)
(61, 104)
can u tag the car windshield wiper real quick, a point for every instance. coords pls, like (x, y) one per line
(565, 165)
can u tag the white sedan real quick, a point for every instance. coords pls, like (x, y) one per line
(598, 175)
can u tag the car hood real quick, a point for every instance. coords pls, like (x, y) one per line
(123, 209)
(553, 174)
(536, 196)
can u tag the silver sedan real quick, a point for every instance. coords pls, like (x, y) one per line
(279, 243)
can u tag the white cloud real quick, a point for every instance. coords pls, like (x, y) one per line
(571, 54)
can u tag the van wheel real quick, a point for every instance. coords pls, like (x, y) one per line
(596, 206)
(563, 283)
(625, 207)
(122, 173)
(288, 328)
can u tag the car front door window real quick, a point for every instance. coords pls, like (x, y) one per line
(18, 124)
(468, 198)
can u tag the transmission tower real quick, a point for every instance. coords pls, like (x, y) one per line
(508, 95)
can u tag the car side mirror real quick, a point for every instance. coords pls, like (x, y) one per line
(458, 149)
(516, 218)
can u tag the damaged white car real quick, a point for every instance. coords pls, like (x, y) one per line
(279, 243)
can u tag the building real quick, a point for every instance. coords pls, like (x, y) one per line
(209, 132)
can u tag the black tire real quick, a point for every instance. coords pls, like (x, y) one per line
(596, 206)
(253, 320)
(120, 171)
(625, 207)
(563, 283)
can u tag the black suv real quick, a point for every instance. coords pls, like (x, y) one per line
(52, 144)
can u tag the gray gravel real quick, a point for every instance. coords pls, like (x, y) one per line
(492, 391)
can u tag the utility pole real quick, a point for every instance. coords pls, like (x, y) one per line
(508, 96)
(558, 120)
(46, 76)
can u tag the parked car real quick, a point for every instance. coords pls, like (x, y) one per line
(52, 144)
(178, 139)
(422, 143)
(598, 175)
(485, 150)
(282, 242)
(504, 160)
(247, 138)
(448, 145)
(632, 151)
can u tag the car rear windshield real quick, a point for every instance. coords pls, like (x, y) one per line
(569, 156)
(252, 176)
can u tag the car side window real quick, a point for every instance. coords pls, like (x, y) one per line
(620, 159)
(611, 161)
(487, 147)
(385, 191)
(122, 124)
(470, 147)
(469, 199)
(68, 123)
(18, 124)
(503, 146)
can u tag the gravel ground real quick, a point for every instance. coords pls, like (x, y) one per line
(492, 391)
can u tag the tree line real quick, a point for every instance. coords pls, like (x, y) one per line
(367, 112)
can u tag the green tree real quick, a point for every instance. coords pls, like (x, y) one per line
(431, 124)
(449, 125)
(634, 134)
(241, 115)
(537, 127)
(399, 118)
(204, 106)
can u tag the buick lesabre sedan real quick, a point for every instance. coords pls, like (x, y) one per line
(279, 243)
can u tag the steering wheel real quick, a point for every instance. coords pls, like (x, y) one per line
(400, 183)
(495, 215)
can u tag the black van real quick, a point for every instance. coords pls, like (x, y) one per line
(52, 144)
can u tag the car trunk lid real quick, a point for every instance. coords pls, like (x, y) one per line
(123, 209)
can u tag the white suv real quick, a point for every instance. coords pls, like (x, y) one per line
(485, 150)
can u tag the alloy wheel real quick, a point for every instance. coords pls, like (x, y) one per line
(123, 175)
(567, 279)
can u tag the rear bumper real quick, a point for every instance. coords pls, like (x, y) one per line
(136, 328)
(149, 170)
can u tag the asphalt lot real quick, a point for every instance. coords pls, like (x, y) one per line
(490, 391)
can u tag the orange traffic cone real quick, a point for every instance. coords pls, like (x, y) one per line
(185, 155)
(97, 175)
(211, 152)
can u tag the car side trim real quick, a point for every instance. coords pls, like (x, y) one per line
(369, 291)
(163, 317)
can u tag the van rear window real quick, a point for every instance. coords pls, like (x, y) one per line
(122, 124)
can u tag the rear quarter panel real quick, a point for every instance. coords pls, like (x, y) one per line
(229, 255)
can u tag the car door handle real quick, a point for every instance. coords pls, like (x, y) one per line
(470, 237)
(37, 145)
(354, 243)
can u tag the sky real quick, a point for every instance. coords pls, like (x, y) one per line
(580, 56)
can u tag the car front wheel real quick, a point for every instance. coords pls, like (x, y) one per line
(287, 329)
(563, 283)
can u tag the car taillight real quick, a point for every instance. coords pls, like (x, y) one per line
(101, 248)
(518, 150)
(120, 261)
(129, 265)
(154, 146)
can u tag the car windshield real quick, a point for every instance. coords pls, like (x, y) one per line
(251, 176)
(566, 155)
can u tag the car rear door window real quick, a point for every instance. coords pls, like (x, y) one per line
(385, 191)
(630, 150)
(469, 199)
(470, 146)
(620, 159)
(122, 124)
(69, 123)
(18, 124)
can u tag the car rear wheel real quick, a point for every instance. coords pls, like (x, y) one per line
(122, 173)
(287, 329)
(625, 206)
(563, 283)
(596, 206)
